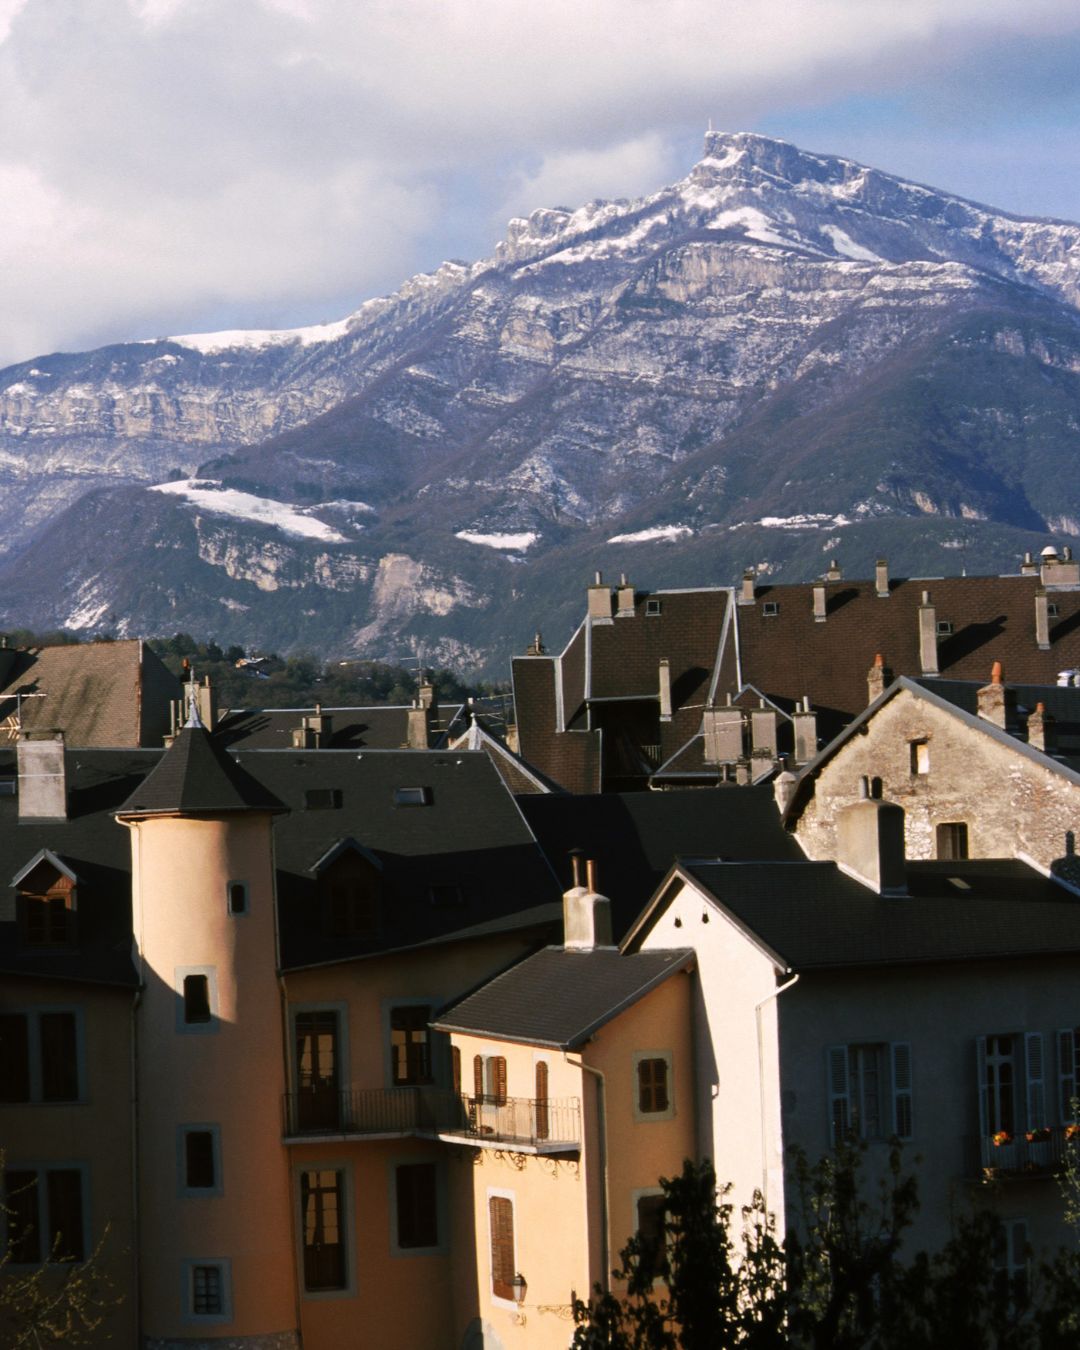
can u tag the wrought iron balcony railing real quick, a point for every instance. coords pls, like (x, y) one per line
(539, 1124)
(1016, 1155)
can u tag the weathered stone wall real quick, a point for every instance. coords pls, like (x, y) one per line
(1009, 803)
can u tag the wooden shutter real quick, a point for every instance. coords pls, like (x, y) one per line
(984, 1085)
(455, 1068)
(1036, 1090)
(501, 1220)
(902, 1118)
(498, 1079)
(1066, 1073)
(478, 1077)
(543, 1123)
(839, 1105)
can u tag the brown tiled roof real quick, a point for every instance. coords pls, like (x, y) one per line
(626, 654)
(95, 692)
(789, 655)
(571, 759)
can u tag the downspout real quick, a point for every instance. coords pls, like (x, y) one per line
(601, 1150)
(761, 1083)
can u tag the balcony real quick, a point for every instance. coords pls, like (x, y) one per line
(1020, 1158)
(519, 1124)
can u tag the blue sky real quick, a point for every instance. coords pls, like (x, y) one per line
(173, 166)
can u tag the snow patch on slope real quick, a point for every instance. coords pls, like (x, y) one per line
(669, 532)
(211, 496)
(515, 542)
(253, 338)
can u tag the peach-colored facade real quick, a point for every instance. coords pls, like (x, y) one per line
(92, 1133)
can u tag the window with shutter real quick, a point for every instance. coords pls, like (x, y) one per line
(652, 1085)
(1036, 1090)
(839, 1114)
(496, 1080)
(501, 1223)
(543, 1122)
(1068, 1056)
(455, 1068)
(869, 1091)
(902, 1116)
(478, 1077)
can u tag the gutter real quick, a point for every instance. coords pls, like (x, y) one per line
(602, 1159)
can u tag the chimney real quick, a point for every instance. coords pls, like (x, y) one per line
(536, 647)
(1028, 567)
(42, 776)
(805, 732)
(996, 703)
(624, 599)
(878, 678)
(208, 710)
(723, 729)
(1040, 730)
(1042, 620)
(784, 790)
(586, 913)
(665, 690)
(1056, 571)
(870, 843)
(763, 732)
(881, 578)
(600, 600)
(819, 603)
(318, 726)
(417, 729)
(928, 660)
(746, 594)
(427, 696)
(834, 573)
(303, 738)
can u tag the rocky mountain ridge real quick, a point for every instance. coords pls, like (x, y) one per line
(781, 351)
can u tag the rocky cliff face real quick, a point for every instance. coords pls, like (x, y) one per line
(779, 352)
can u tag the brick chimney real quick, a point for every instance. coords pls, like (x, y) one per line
(870, 843)
(881, 578)
(586, 913)
(834, 573)
(1042, 620)
(928, 657)
(878, 678)
(600, 601)
(624, 598)
(746, 594)
(805, 721)
(42, 776)
(665, 690)
(417, 727)
(819, 603)
(1041, 730)
(996, 703)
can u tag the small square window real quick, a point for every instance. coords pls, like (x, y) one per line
(207, 1294)
(952, 840)
(412, 796)
(238, 897)
(323, 799)
(196, 998)
(770, 608)
(944, 628)
(653, 607)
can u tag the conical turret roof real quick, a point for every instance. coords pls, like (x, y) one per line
(196, 776)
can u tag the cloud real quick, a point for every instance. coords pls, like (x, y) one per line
(173, 163)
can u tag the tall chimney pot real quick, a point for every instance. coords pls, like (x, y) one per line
(881, 578)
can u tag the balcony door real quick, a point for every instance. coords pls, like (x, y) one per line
(318, 1070)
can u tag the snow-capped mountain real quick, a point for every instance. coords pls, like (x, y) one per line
(781, 353)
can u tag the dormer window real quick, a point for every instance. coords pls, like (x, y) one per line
(46, 902)
(770, 608)
(350, 892)
(653, 607)
(944, 628)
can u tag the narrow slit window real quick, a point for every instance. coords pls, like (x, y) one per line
(196, 999)
(238, 897)
(200, 1172)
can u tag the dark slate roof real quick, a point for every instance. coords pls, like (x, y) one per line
(98, 850)
(1062, 702)
(789, 654)
(470, 842)
(518, 776)
(384, 727)
(812, 915)
(197, 776)
(635, 836)
(560, 998)
(97, 693)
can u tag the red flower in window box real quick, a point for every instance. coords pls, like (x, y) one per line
(1002, 1137)
(1041, 1135)
(1072, 1131)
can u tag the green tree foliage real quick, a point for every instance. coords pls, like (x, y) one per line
(838, 1282)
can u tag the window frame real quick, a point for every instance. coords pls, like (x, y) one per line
(42, 1219)
(187, 1291)
(342, 1079)
(346, 1213)
(209, 1027)
(640, 1057)
(434, 1043)
(958, 831)
(441, 1245)
(35, 1051)
(895, 1091)
(184, 1190)
(919, 756)
(636, 1197)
